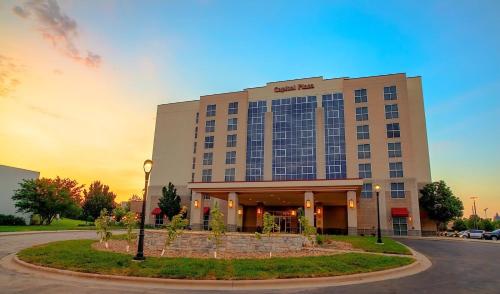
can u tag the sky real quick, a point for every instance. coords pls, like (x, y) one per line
(80, 80)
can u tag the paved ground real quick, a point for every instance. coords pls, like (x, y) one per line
(458, 267)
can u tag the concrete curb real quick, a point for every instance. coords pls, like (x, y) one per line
(421, 263)
(455, 239)
(7, 234)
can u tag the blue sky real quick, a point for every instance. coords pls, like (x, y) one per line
(166, 51)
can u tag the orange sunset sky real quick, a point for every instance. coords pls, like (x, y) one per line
(80, 80)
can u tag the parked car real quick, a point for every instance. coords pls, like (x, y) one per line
(495, 235)
(475, 234)
(463, 234)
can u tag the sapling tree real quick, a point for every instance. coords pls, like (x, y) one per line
(175, 228)
(130, 221)
(102, 224)
(217, 227)
(268, 228)
(307, 230)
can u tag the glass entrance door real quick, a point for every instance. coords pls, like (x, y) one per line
(283, 219)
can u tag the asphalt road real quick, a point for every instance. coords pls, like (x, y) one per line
(458, 267)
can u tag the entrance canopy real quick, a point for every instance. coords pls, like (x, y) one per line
(279, 192)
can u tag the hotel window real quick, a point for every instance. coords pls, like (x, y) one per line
(211, 110)
(398, 190)
(367, 190)
(360, 96)
(394, 149)
(255, 141)
(209, 142)
(363, 132)
(231, 140)
(400, 226)
(294, 134)
(194, 147)
(196, 132)
(363, 151)
(365, 170)
(206, 175)
(395, 169)
(232, 124)
(206, 197)
(208, 158)
(391, 111)
(390, 93)
(393, 130)
(210, 126)
(231, 157)
(194, 163)
(233, 108)
(192, 177)
(197, 117)
(229, 175)
(361, 113)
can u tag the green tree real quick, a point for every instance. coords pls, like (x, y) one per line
(217, 227)
(307, 230)
(102, 225)
(119, 212)
(47, 197)
(486, 224)
(175, 228)
(130, 221)
(269, 226)
(440, 202)
(473, 222)
(170, 202)
(459, 225)
(97, 198)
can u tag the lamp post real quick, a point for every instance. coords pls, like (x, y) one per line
(148, 165)
(379, 234)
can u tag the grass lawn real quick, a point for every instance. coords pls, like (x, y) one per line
(368, 243)
(77, 255)
(56, 225)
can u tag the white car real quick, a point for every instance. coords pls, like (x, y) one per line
(475, 234)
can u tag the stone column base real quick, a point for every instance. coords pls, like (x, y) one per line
(196, 227)
(352, 231)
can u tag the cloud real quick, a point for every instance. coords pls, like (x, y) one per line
(58, 28)
(9, 75)
(45, 112)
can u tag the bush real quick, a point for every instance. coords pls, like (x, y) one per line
(320, 239)
(11, 220)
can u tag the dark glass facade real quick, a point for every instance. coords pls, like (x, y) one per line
(255, 141)
(294, 138)
(335, 158)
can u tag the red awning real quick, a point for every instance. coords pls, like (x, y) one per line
(399, 212)
(156, 211)
(206, 210)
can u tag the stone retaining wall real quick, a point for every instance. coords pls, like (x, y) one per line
(231, 242)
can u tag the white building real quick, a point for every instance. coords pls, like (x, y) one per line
(10, 177)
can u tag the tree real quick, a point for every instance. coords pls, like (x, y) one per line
(487, 225)
(97, 197)
(129, 220)
(459, 225)
(307, 230)
(102, 225)
(47, 197)
(217, 227)
(175, 228)
(119, 212)
(268, 227)
(440, 203)
(170, 202)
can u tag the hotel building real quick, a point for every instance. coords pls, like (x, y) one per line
(320, 144)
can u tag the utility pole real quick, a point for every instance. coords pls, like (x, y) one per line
(485, 216)
(475, 210)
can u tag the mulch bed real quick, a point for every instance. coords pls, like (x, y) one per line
(119, 246)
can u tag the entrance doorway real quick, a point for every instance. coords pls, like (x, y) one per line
(284, 221)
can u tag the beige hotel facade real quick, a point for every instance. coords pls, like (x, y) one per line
(320, 144)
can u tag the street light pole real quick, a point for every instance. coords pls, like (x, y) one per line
(148, 164)
(475, 211)
(379, 234)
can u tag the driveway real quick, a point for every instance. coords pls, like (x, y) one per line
(458, 267)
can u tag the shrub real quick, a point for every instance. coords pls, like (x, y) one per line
(102, 224)
(11, 220)
(320, 239)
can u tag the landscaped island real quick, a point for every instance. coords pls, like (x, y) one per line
(79, 255)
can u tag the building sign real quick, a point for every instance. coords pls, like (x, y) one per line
(293, 88)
